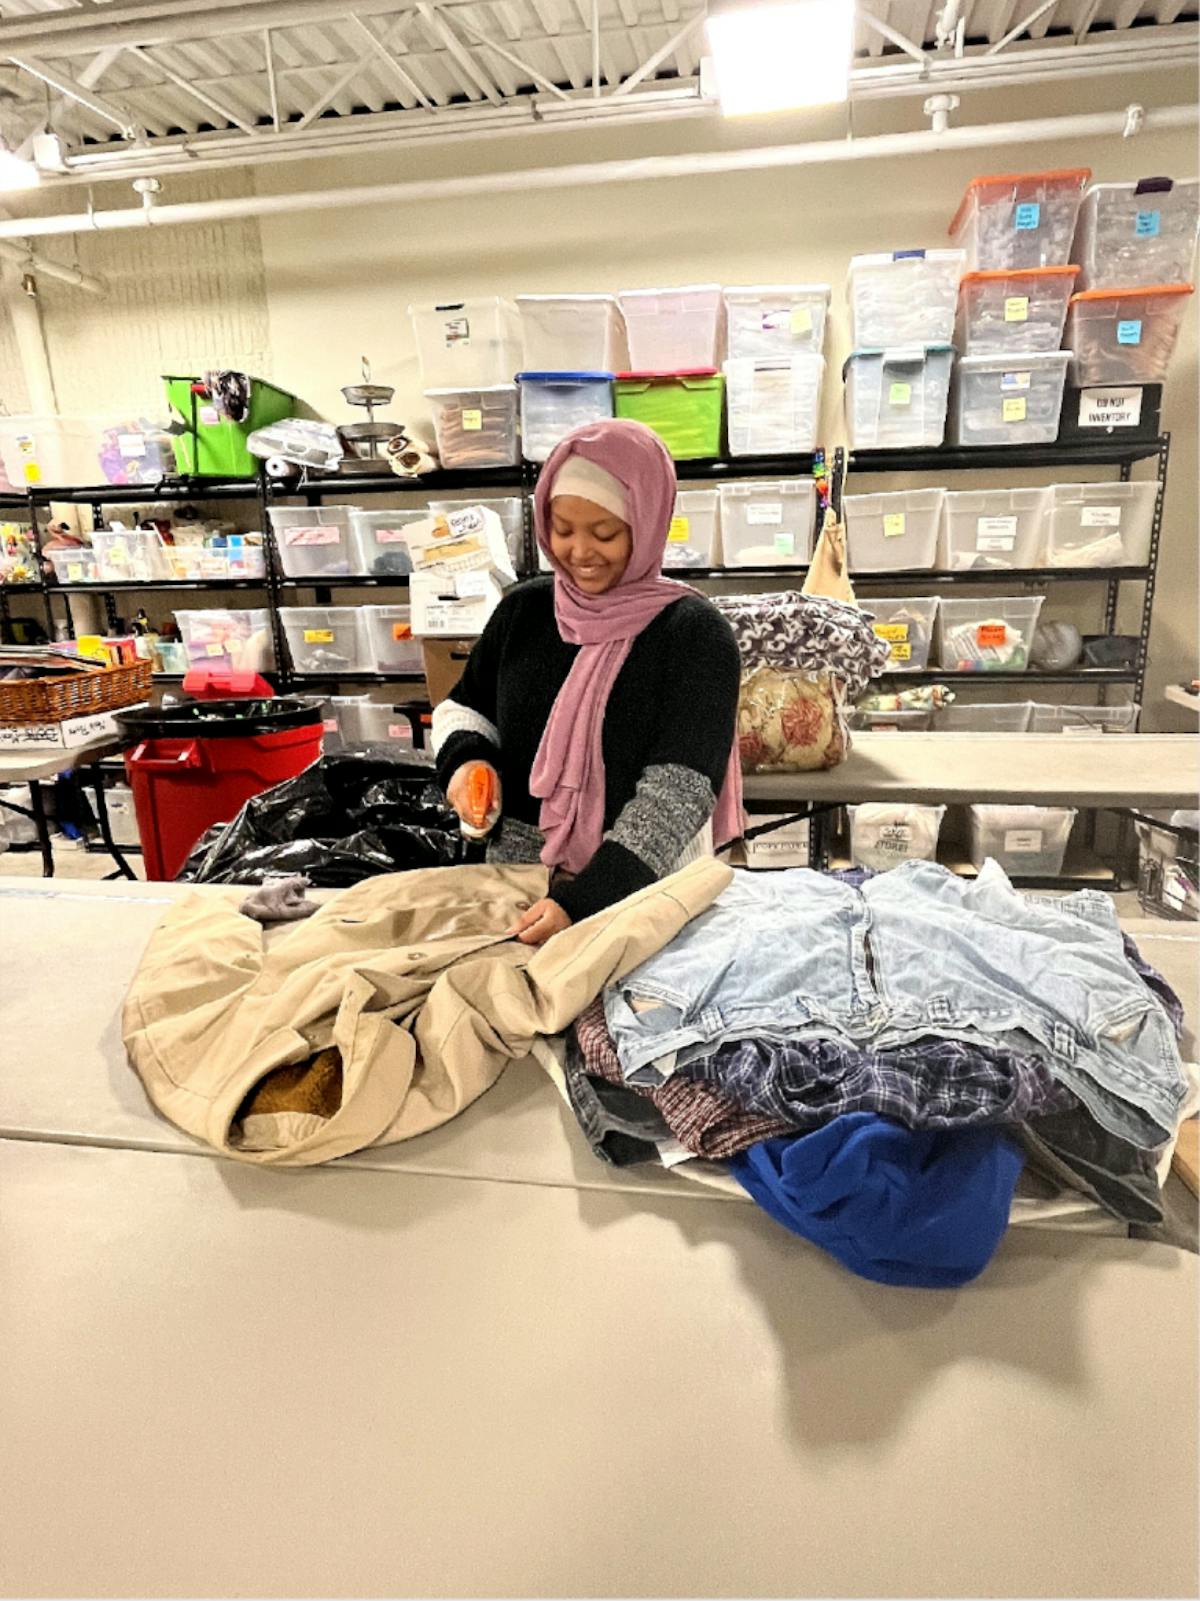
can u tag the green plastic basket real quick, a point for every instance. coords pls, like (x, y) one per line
(684, 409)
(211, 446)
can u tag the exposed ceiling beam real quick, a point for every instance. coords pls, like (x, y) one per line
(272, 84)
(196, 93)
(506, 54)
(901, 40)
(401, 74)
(91, 75)
(65, 85)
(459, 51)
(653, 62)
(1021, 27)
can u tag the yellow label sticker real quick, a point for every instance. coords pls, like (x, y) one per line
(893, 632)
(1016, 308)
(801, 322)
(75, 573)
(33, 473)
(900, 653)
(900, 395)
(214, 648)
(472, 422)
(677, 534)
(893, 524)
(1013, 408)
(318, 636)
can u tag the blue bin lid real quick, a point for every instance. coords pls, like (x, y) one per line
(565, 377)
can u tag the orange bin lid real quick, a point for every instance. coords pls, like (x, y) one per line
(996, 274)
(1077, 175)
(1132, 291)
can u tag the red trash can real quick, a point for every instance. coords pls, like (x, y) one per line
(196, 764)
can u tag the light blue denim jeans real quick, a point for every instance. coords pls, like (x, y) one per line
(917, 951)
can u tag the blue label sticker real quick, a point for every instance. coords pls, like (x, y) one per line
(1130, 333)
(1146, 224)
(1029, 214)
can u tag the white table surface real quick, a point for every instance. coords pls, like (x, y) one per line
(1046, 769)
(22, 766)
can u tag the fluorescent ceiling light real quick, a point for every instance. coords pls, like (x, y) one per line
(776, 57)
(16, 173)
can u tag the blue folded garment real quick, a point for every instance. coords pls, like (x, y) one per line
(922, 1207)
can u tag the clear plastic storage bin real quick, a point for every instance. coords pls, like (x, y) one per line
(228, 640)
(326, 639)
(467, 342)
(391, 647)
(1125, 336)
(673, 330)
(1008, 400)
(511, 511)
(774, 321)
(904, 720)
(982, 634)
(896, 399)
(774, 408)
(984, 717)
(380, 538)
(905, 298)
(1003, 312)
(1001, 528)
(134, 451)
(363, 721)
(233, 559)
(768, 524)
(572, 333)
(1047, 719)
(77, 565)
(60, 451)
(131, 555)
(1168, 866)
(894, 532)
(552, 403)
(315, 541)
(692, 540)
(475, 427)
(1138, 233)
(1019, 219)
(906, 625)
(885, 833)
(684, 409)
(1027, 841)
(1099, 525)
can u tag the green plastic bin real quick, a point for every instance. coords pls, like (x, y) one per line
(684, 408)
(211, 446)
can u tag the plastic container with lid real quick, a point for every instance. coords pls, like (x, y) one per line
(980, 634)
(774, 321)
(228, 640)
(984, 717)
(134, 451)
(673, 330)
(235, 558)
(1125, 336)
(1008, 400)
(572, 333)
(48, 450)
(1138, 233)
(511, 511)
(74, 565)
(391, 647)
(896, 398)
(774, 407)
(1168, 865)
(1016, 310)
(379, 538)
(885, 833)
(467, 342)
(131, 555)
(1027, 841)
(1001, 528)
(906, 297)
(1053, 719)
(895, 532)
(328, 640)
(315, 541)
(553, 403)
(692, 539)
(363, 721)
(768, 524)
(476, 428)
(1019, 219)
(684, 409)
(906, 625)
(904, 720)
(1099, 525)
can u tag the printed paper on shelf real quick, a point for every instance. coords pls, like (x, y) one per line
(1022, 841)
(317, 534)
(764, 513)
(1110, 408)
(995, 533)
(1100, 517)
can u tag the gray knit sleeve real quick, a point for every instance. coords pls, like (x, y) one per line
(671, 805)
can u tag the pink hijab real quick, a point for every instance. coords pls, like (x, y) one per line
(568, 771)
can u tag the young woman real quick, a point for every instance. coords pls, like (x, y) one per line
(604, 697)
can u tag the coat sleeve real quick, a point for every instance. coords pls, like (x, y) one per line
(464, 724)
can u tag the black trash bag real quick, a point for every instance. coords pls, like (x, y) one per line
(345, 818)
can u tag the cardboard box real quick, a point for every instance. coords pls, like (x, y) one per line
(452, 606)
(69, 735)
(444, 663)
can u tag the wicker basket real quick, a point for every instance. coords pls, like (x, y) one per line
(73, 694)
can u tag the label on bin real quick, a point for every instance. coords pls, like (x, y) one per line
(900, 653)
(785, 544)
(318, 636)
(401, 630)
(400, 731)
(1023, 840)
(214, 648)
(801, 320)
(893, 524)
(1129, 332)
(317, 534)
(1100, 517)
(1014, 380)
(995, 533)
(1016, 308)
(389, 536)
(677, 534)
(209, 416)
(1029, 214)
(1110, 408)
(472, 421)
(131, 444)
(329, 725)
(74, 573)
(1146, 224)
(761, 513)
(894, 633)
(457, 331)
(895, 838)
(989, 635)
(900, 395)
(1013, 409)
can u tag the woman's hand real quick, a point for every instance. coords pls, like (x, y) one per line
(543, 920)
(459, 795)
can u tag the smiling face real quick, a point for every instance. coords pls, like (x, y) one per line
(590, 543)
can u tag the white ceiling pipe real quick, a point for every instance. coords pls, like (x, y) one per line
(40, 267)
(591, 175)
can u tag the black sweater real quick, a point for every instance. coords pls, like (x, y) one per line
(668, 730)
